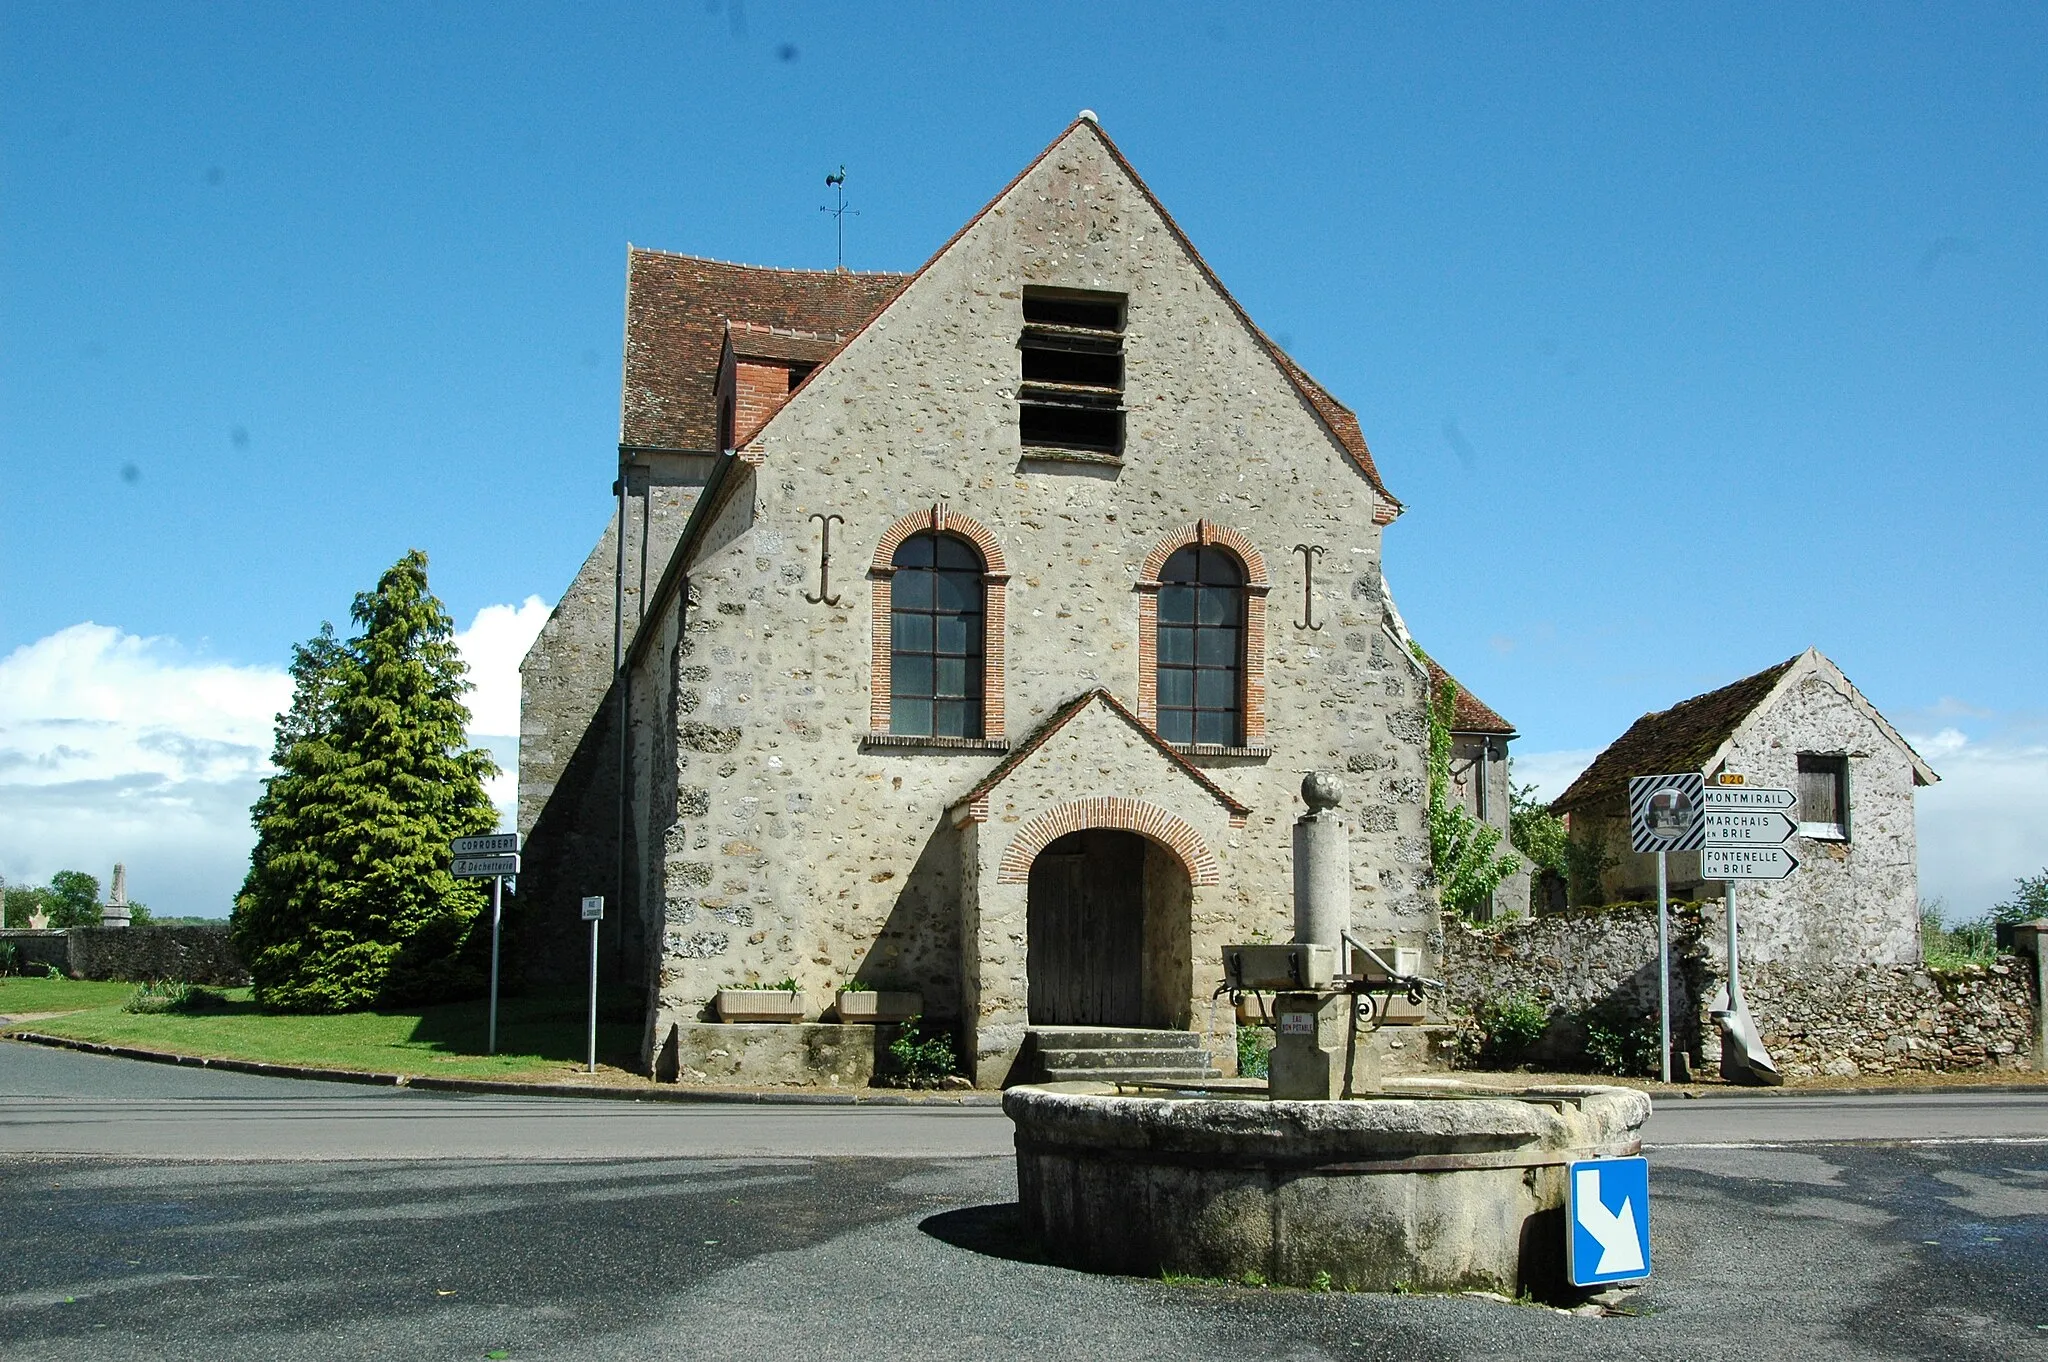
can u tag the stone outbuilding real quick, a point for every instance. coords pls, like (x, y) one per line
(970, 632)
(1802, 726)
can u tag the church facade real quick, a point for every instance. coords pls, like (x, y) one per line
(970, 632)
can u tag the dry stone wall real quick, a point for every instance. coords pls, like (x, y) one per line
(182, 953)
(1835, 1021)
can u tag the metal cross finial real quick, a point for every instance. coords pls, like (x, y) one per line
(1309, 553)
(824, 596)
(837, 180)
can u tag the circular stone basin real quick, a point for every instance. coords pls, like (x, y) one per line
(1434, 1191)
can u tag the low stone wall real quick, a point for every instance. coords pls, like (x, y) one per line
(1889, 1019)
(36, 951)
(1575, 961)
(768, 1054)
(190, 954)
(1839, 1021)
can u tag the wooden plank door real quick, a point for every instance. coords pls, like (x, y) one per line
(1086, 928)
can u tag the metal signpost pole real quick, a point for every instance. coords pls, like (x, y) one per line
(1734, 969)
(593, 913)
(497, 893)
(1663, 969)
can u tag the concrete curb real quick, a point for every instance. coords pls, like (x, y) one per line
(509, 1088)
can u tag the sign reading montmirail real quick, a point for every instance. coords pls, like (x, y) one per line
(1748, 797)
(490, 844)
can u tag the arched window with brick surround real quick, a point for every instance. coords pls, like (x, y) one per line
(1202, 640)
(939, 584)
(935, 638)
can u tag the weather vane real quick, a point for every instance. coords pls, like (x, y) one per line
(838, 181)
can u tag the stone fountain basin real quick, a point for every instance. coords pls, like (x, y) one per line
(1423, 1190)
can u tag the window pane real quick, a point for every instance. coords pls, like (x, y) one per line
(956, 634)
(1216, 690)
(1177, 645)
(1176, 688)
(1220, 568)
(949, 719)
(1218, 648)
(1177, 725)
(915, 551)
(1176, 605)
(1182, 567)
(912, 590)
(1220, 729)
(911, 675)
(959, 591)
(910, 716)
(911, 633)
(958, 554)
(952, 676)
(1219, 606)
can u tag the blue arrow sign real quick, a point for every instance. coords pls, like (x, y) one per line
(1608, 1238)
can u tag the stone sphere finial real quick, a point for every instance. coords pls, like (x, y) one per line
(1322, 790)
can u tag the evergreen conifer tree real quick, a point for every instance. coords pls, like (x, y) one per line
(348, 900)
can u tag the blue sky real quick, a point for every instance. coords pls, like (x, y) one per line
(1690, 335)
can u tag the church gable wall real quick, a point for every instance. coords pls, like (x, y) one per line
(833, 843)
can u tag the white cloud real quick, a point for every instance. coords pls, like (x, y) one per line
(1550, 772)
(1986, 824)
(493, 645)
(115, 747)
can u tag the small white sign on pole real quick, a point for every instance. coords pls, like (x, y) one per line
(593, 913)
(593, 908)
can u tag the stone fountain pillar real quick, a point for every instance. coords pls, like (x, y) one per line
(1316, 1053)
(115, 912)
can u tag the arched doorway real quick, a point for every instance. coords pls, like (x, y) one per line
(1107, 933)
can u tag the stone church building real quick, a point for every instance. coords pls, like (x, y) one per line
(972, 632)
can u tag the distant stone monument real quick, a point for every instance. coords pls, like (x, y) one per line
(115, 912)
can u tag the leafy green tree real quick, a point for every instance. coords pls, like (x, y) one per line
(2029, 901)
(1462, 850)
(348, 901)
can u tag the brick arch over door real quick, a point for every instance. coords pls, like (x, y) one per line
(1257, 584)
(1124, 815)
(995, 577)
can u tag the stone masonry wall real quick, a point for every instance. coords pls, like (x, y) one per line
(1574, 961)
(184, 953)
(792, 846)
(1833, 1020)
(1890, 1019)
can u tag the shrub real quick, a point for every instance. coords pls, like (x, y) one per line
(10, 957)
(169, 996)
(1509, 1028)
(917, 1060)
(1252, 1050)
(1621, 1038)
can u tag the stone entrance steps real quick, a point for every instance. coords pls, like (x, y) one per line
(1064, 1054)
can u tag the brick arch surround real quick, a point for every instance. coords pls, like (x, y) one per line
(1114, 812)
(995, 579)
(1257, 584)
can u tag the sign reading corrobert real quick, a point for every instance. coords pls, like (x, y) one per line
(490, 844)
(483, 867)
(1664, 812)
(1607, 1236)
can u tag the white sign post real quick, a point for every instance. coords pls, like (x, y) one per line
(494, 855)
(1744, 826)
(593, 913)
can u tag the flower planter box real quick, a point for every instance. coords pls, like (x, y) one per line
(760, 1005)
(864, 1007)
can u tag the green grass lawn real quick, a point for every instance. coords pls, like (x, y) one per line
(19, 995)
(540, 1033)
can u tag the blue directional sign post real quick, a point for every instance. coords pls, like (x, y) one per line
(1608, 1235)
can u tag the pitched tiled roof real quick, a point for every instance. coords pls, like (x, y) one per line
(677, 307)
(780, 342)
(1470, 713)
(1058, 719)
(1681, 738)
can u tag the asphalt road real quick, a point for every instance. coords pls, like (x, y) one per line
(691, 1247)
